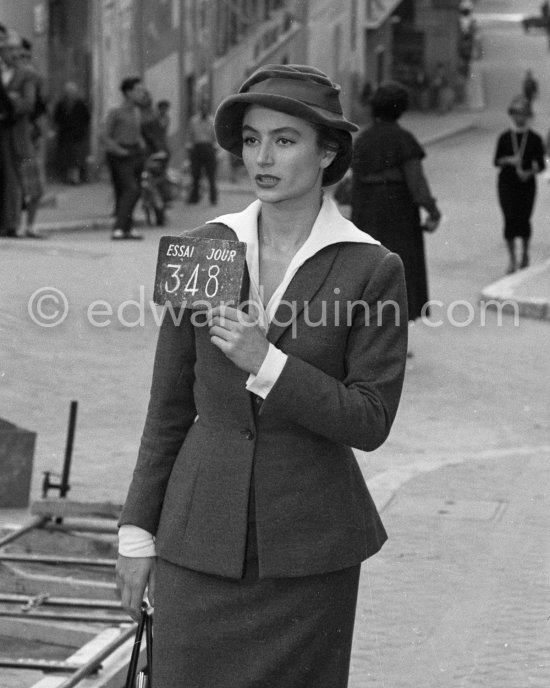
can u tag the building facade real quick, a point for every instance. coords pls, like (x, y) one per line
(191, 50)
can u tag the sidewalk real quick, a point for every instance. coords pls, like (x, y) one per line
(457, 597)
(88, 207)
(526, 292)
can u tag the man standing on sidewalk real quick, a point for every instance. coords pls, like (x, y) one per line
(125, 149)
(202, 153)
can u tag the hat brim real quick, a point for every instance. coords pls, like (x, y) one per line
(229, 115)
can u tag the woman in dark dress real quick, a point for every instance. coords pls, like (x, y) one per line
(389, 188)
(247, 515)
(520, 156)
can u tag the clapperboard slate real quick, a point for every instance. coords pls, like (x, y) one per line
(196, 272)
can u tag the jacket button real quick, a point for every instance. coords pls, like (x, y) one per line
(247, 434)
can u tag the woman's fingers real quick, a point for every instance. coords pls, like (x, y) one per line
(132, 576)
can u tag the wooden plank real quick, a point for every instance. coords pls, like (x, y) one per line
(66, 542)
(13, 580)
(64, 634)
(64, 508)
(111, 675)
(56, 559)
(113, 667)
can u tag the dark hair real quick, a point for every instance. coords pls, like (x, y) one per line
(129, 83)
(336, 140)
(26, 44)
(163, 103)
(3, 28)
(390, 101)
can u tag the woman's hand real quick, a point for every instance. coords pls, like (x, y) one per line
(239, 337)
(134, 575)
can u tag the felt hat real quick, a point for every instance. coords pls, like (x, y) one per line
(297, 90)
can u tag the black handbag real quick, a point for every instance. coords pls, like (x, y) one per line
(143, 678)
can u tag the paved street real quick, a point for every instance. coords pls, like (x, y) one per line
(458, 598)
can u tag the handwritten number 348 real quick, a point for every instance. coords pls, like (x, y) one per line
(210, 289)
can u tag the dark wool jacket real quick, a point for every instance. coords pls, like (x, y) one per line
(205, 433)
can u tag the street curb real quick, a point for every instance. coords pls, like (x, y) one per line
(74, 225)
(502, 292)
(448, 133)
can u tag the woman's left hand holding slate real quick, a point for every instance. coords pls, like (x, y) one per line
(238, 335)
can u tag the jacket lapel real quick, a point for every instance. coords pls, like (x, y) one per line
(304, 285)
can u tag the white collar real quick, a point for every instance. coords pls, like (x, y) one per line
(329, 228)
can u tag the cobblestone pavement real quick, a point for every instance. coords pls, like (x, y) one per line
(459, 596)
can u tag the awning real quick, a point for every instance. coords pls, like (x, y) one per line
(378, 11)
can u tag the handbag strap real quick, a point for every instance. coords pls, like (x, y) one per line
(145, 623)
(149, 647)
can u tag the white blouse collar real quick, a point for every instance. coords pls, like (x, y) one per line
(329, 228)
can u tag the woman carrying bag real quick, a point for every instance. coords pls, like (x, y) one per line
(247, 518)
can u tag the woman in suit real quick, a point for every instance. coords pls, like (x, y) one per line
(247, 517)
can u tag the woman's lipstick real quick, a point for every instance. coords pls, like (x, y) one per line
(266, 181)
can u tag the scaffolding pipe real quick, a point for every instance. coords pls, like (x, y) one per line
(36, 522)
(95, 662)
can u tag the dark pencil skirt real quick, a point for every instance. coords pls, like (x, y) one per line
(516, 200)
(214, 632)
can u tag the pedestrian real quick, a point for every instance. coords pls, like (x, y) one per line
(6, 121)
(245, 478)
(152, 128)
(71, 118)
(530, 89)
(520, 156)
(389, 189)
(163, 114)
(125, 150)
(23, 185)
(33, 165)
(442, 94)
(202, 153)
(40, 116)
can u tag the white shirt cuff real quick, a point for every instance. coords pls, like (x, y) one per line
(135, 542)
(269, 372)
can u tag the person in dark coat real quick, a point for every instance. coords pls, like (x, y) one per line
(71, 118)
(520, 156)
(389, 188)
(247, 515)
